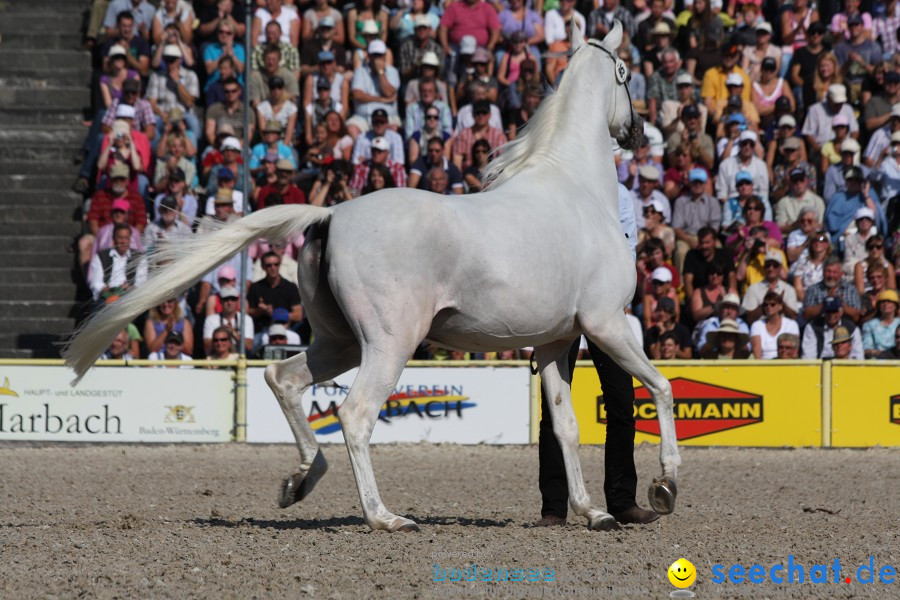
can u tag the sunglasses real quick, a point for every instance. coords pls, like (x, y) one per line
(271, 265)
(658, 282)
(748, 143)
(431, 116)
(220, 340)
(229, 299)
(770, 304)
(820, 238)
(225, 32)
(875, 246)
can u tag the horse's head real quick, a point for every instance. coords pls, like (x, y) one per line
(625, 125)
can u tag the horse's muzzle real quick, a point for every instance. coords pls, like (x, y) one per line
(634, 135)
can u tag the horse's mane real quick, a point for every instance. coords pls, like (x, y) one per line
(535, 145)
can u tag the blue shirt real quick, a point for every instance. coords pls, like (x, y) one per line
(627, 219)
(214, 52)
(258, 153)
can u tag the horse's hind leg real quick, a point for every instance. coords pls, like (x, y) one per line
(553, 363)
(616, 339)
(379, 371)
(288, 379)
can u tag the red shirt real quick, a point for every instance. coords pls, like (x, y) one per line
(101, 205)
(294, 195)
(478, 20)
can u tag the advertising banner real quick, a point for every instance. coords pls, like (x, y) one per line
(116, 405)
(733, 405)
(466, 405)
(865, 401)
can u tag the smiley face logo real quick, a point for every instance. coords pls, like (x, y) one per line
(682, 573)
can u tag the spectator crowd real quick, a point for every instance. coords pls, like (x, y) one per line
(765, 186)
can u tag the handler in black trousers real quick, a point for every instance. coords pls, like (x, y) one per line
(620, 482)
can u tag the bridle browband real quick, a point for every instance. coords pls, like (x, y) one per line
(621, 71)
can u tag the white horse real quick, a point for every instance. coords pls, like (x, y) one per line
(381, 273)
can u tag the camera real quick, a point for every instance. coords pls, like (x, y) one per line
(692, 135)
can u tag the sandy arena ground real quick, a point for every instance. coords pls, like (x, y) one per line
(126, 521)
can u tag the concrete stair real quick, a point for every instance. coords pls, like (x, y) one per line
(44, 77)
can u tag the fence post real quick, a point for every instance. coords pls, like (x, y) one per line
(826, 403)
(240, 400)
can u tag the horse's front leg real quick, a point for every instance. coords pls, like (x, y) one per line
(553, 363)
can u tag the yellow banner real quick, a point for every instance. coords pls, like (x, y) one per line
(865, 403)
(733, 405)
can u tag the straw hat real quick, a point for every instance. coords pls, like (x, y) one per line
(728, 326)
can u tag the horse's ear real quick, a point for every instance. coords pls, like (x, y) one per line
(577, 36)
(613, 39)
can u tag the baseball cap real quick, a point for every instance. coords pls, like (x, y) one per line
(276, 82)
(816, 27)
(228, 291)
(768, 62)
(481, 106)
(734, 101)
(325, 56)
(169, 203)
(284, 164)
(121, 204)
(649, 173)
(690, 112)
(832, 304)
(421, 20)
(231, 143)
(124, 111)
(369, 27)
(174, 338)
(787, 121)
(280, 315)
(277, 330)
(791, 143)
(840, 120)
(743, 176)
(177, 174)
(326, 21)
(853, 173)
(736, 118)
(684, 79)
(855, 19)
(864, 213)
(172, 51)
(381, 143)
(661, 274)
(481, 56)
(797, 173)
(665, 303)
(783, 105)
(764, 26)
(697, 174)
(468, 44)
(322, 84)
(892, 77)
(734, 79)
(431, 58)
(377, 47)
(379, 113)
(119, 170)
(850, 145)
(837, 93)
(748, 135)
(657, 205)
(224, 173)
(226, 272)
(131, 85)
(773, 256)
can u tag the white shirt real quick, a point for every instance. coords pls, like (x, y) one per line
(162, 356)
(769, 343)
(288, 15)
(640, 204)
(215, 321)
(465, 118)
(117, 275)
(293, 338)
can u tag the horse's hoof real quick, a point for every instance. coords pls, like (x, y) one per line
(604, 524)
(410, 528)
(662, 495)
(299, 485)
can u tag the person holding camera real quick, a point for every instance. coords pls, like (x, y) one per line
(332, 187)
(702, 149)
(176, 87)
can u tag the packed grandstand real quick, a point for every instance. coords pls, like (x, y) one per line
(764, 189)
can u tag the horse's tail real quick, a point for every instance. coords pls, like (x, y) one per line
(186, 260)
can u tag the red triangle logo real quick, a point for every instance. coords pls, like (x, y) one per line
(700, 409)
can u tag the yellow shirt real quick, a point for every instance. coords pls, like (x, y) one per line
(713, 86)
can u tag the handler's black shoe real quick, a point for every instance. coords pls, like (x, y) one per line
(636, 514)
(551, 521)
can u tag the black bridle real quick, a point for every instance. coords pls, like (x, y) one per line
(636, 131)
